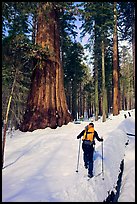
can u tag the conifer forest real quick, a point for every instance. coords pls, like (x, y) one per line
(50, 78)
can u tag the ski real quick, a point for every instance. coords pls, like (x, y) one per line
(95, 176)
(90, 178)
(130, 134)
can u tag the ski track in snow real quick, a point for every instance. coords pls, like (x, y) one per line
(44, 162)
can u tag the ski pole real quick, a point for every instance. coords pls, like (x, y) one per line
(102, 162)
(78, 155)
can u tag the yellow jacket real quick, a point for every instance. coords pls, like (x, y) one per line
(89, 133)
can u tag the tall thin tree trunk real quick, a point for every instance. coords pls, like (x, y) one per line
(96, 93)
(96, 80)
(119, 92)
(6, 117)
(74, 100)
(46, 106)
(115, 67)
(133, 46)
(103, 84)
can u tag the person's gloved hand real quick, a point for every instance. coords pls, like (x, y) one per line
(78, 137)
(101, 139)
(94, 142)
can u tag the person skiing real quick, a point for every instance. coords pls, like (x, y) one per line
(88, 146)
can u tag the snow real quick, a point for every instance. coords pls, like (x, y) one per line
(40, 166)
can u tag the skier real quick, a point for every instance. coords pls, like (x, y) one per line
(88, 145)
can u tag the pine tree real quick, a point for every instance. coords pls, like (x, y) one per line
(98, 20)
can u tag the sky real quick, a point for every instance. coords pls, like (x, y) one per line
(84, 41)
(40, 166)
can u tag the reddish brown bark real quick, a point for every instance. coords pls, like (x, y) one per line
(46, 106)
(115, 67)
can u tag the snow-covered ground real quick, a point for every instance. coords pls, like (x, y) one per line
(40, 166)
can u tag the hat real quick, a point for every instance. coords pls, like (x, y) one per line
(91, 124)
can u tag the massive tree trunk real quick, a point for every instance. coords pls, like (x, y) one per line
(46, 106)
(115, 67)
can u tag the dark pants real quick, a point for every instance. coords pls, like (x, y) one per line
(88, 151)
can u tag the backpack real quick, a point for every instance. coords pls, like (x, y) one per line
(88, 137)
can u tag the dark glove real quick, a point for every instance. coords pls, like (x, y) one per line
(101, 140)
(78, 137)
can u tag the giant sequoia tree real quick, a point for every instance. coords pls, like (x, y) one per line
(46, 106)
